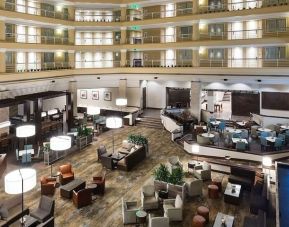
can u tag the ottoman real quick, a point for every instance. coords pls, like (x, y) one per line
(198, 221)
(213, 191)
(218, 182)
(204, 212)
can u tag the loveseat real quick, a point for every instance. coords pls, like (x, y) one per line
(242, 176)
(135, 156)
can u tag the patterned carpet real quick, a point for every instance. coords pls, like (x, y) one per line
(106, 210)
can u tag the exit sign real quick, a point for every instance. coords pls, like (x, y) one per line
(134, 6)
(135, 28)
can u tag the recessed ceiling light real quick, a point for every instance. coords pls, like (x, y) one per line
(259, 81)
(225, 79)
(155, 77)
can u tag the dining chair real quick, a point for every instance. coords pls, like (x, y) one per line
(278, 144)
(236, 135)
(244, 134)
(222, 126)
(240, 146)
(26, 158)
(264, 144)
(283, 138)
(265, 134)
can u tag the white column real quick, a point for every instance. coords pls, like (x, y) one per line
(196, 58)
(123, 14)
(122, 88)
(196, 90)
(2, 29)
(210, 102)
(122, 58)
(195, 6)
(3, 62)
(123, 35)
(196, 32)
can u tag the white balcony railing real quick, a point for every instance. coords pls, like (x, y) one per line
(37, 67)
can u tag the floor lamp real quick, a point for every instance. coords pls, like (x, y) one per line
(267, 163)
(25, 131)
(113, 123)
(20, 181)
(59, 143)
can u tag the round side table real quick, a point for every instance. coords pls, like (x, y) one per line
(92, 188)
(141, 217)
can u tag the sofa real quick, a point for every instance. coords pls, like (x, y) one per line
(135, 156)
(149, 198)
(129, 210)
(203, 171)
(242, 176)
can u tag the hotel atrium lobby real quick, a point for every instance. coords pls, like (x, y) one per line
(164, 113)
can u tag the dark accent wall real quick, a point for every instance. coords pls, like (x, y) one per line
(275, 100)
(245, 103)
(178, 97)
(283, 193)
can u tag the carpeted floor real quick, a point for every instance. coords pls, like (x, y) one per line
(106, 211)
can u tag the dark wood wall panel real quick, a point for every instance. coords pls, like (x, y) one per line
(245, 103)
(275, 100)
(178, 96)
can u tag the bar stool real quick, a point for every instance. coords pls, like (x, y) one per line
(213, 191)
(204, 212)
(198, 221)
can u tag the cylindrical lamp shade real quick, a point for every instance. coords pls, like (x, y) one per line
(43, 114)
(5, 124)
(113, 122)
(195, 148)
(267, 161)
(121, 101)
(53, 111)
(25, 131)
(93, 110)
(13, 181)
(60, 143)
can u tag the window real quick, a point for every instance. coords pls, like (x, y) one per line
(215, 4)
(276, 25)
(275, 52)
(48, 57)
(216, 53)
(186, 30)
(216, 29)
(186, 54)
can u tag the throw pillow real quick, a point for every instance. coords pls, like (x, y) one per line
(3, 212)
(133, 149)
(178, 202)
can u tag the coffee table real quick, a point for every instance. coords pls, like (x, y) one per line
(30, 221)
(229, 220)
(66, 190)
(233, 197)
(118, 156)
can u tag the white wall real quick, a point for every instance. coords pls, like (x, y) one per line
(156, 92)
(58, 102)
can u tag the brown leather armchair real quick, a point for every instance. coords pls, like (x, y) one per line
(66, 174)
(82, 198)
(100, 182)
(48, 185)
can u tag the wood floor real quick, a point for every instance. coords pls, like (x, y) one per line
(106, 211)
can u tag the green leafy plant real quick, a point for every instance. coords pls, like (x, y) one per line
(84, 131)
(176, 177)
(162, 173)
(137, 139)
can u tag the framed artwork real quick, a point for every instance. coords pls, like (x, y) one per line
(95, 95)
(83, 94)
(107, 96)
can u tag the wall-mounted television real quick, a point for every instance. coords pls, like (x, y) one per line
(275, 100)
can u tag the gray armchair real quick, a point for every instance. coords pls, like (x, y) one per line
(129, 210)
(194, 187)
(173, 209)
(45, 209)
(159, 221)
(203, 171)
(174, 162)
(149, 198)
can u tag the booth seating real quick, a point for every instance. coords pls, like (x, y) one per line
(242, 176)
(132, 159)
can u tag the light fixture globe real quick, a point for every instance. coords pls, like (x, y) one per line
(13, 181)
(60, 143)
(25, 131)
(121, 101)
(113, 122)
(93, 110)
(267, 161)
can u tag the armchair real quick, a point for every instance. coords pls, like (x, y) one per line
(45, 209)
(82, 198)
(47, 185)
(129, 210)
(158, 221)
(173, 209)
(194, 187)
(203, 171)
(149, 198)
(100, 151)
(174, 162)
(100, 182)
(66, 174)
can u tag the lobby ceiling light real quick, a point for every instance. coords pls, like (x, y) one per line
(155, 77)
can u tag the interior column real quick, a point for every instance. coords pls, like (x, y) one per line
(122, 88)
(123, 14)
(69, 111)
(210, 102)
(71, 36)
(72, 87)
(195, 6)
(123, 35)
(123, 58)
(3, 62)
(38, 105)
(196, 90)
(71, 59)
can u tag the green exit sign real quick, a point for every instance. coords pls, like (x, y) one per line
(134, 6)
(135, 28)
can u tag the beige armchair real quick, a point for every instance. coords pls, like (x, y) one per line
(194, 187)
(129, 210)
(173, 209)
(149, 198)
(158, 221)
(203, 171)
(174, 162)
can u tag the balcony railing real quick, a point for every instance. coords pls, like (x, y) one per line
(37, 67)
(96, 18)
(159, 39)
(36, 39)
(34, 10)
(97, 64)
(160, 14)
(96, 41)
(159, 63)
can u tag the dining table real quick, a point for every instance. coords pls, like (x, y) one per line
(264, 130)
(208, 135)
(233, 130)
(241, 123)
(235, 140)
(271, 139)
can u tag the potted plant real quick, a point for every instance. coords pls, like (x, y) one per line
(177, 176)
(138, 140)
(162, 173)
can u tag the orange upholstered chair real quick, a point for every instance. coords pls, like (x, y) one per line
(66, 174)
(48, 185)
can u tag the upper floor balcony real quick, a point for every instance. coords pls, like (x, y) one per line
(97, 16)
